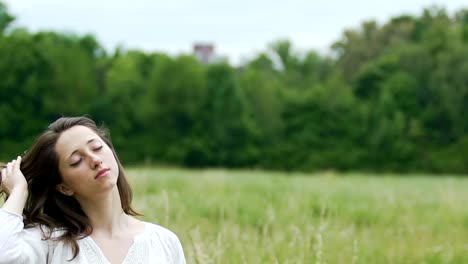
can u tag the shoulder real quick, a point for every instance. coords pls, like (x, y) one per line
(161, 237)
(159, 231)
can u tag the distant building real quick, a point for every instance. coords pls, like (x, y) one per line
(205, 53)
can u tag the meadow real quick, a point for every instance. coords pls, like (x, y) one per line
(249, 216)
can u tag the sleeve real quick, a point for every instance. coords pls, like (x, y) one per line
(178, 256)
(19, 245)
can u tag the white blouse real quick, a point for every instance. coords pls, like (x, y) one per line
(25, 245)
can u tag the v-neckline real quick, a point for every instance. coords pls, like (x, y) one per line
(101, 254)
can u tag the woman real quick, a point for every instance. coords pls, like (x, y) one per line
(69, 201)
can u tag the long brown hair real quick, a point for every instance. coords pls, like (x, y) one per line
(2, 192)
(46, 206)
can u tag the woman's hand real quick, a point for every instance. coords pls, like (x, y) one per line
(14, 183)
(12, 177)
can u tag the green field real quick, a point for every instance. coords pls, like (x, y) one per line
(224, 216)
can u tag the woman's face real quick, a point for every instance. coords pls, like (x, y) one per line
(86, 163)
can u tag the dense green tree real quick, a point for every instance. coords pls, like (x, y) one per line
(265, 101)
(5, 18)
(177, 93)
(229, 132)
(391, 97)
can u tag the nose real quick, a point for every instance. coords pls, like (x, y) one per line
(96, 161)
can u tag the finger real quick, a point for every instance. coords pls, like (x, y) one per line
(12, 167)
(8, 168)
(17, 163)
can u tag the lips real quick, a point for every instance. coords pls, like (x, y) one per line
(101, 173)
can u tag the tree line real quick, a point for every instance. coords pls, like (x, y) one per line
(390, 97)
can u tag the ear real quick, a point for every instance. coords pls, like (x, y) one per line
(63, 188)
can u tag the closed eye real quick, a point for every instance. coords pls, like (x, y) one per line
(98, 148)
(76, 163)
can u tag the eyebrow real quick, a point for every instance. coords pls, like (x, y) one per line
(89, 141)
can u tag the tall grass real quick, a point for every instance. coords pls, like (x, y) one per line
(261, 217)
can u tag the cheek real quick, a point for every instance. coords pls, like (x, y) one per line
(110, 158)
(70, 177)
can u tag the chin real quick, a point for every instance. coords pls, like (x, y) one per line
(109, 187)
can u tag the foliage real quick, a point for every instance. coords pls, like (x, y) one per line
(391, 97)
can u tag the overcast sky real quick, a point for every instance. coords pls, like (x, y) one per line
(238, 28)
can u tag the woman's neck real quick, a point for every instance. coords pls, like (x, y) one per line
(106, 214)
